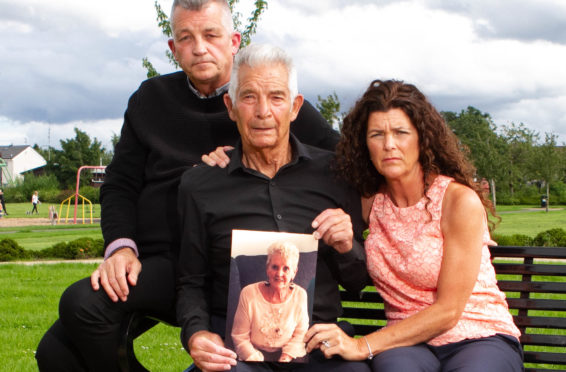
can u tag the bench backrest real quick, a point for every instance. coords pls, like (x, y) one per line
(534, 279)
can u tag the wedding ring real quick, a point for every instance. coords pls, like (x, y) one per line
(326, 343)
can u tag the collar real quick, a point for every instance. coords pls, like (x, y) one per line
(218, 92)
(300, 152)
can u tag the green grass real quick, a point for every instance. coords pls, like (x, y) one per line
(28, 306)
(519, 220)
(39, 237)
(18, 210)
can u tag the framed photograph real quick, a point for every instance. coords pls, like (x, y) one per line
(270, 295)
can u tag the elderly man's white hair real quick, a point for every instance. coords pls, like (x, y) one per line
(259, 55)
(199, 4)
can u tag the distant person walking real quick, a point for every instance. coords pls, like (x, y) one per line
(34, 202)
(2, 202)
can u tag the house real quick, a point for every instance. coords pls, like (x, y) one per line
(16, 160)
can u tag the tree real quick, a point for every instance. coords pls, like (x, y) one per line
(520, 142)
(477, 132)
(329, 108)
(547, 163)
(247, 31)
(75, 153)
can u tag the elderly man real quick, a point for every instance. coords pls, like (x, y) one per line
(272, 183)
(170, 122)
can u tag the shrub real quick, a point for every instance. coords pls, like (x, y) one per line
(513, 240)
(551, 238)
(10, 250)
(76, 249)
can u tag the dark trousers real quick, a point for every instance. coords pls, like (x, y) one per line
(499, 353)
(88, 332)
(34, 208)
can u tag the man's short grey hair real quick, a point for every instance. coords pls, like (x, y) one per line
(198, 5)
(287, 250)
(259, 55)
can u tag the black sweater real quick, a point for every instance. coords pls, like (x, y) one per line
(166, 130)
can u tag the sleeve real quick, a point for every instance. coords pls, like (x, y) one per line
(312, 129)
(193, 282)
(296, 346)
(352, 269)
(241, 330)
(123, 183)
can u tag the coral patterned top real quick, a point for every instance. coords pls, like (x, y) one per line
(404, 252)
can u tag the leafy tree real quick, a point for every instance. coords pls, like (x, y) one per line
(246, 30)
(520, 142)
(477, 132)
(76, 152)
(329, 108)
(548, 163)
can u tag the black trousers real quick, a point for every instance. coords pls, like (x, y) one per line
(88, 332)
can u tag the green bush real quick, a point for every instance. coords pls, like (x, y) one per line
(513, 240)
(551, 238)
(47, 185)
(91, 193)
(76, 249)
(10, 250)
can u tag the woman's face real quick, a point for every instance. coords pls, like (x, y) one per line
(393, 144)
(279, 272)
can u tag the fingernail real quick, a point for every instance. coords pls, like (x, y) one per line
(316, 235)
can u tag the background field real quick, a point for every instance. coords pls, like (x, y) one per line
(29, 295)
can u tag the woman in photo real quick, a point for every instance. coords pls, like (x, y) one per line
(272, 317)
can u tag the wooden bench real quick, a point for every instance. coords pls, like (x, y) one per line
(534, 279)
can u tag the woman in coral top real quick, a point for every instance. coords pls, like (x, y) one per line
(427, 251)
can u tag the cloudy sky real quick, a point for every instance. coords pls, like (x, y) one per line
(74, 63)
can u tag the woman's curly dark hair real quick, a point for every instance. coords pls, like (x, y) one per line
(439, 150)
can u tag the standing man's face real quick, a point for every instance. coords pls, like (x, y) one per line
(203, 47)
(263, 109)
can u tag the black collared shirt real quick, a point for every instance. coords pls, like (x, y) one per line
(214, 201)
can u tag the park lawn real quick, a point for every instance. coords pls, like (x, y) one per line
(528, 222)
(18, 210)
(28, 306)
(40, 237)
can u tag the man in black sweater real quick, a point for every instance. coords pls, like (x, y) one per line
(170, 122)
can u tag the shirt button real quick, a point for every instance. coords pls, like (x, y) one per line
(279, 217)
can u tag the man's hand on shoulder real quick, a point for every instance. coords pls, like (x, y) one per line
(217, 157)
(116, 273)
(208, 352)
(334, 227)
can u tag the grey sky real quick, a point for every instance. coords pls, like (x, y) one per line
(66, 63)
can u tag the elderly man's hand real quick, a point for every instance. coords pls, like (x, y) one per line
(334, 227)
(218, 157)
(116, 272)
(208, 352)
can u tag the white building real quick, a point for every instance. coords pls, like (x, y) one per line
(15, 160)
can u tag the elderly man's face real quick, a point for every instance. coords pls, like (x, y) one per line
(202, 45)
(263, 109)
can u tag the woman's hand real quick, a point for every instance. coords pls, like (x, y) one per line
(331, 340)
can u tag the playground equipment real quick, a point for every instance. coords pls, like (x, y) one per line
(99, 168)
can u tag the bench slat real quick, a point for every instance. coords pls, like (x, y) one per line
(530, 269)
(531, 252)
(543, 357)
(540, 322)
(539, 287)
(543, 340)
(536, 304)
